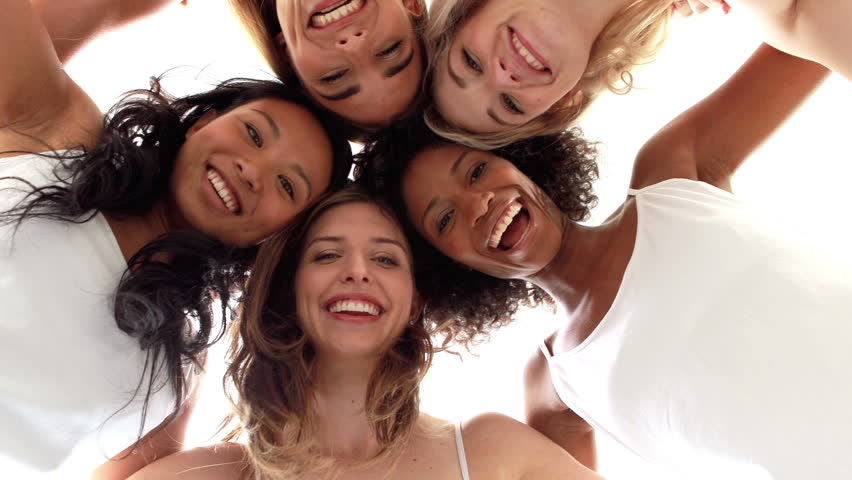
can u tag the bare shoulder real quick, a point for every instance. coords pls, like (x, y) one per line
(501, 447)
(226, 461)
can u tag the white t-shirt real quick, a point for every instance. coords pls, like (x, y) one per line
(67, 370)
(727, 349)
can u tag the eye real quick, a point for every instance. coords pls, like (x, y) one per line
(254, 134)
(477, 172)
(326, 256)
(386, 260)
(393, 48)
(333, 77)
(510, 104)
(288, 187)
(445, 220)
(470, 61)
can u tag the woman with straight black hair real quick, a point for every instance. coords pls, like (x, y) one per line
(116, 241)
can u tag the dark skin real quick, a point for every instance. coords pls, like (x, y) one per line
(582, 267)
(708, 142)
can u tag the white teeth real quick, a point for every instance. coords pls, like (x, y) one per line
(529, 57)
(502, 224)
(222, 190)
(354, 306)
(336, 12)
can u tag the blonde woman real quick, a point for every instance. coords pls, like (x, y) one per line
(503, 70)
(333, 344)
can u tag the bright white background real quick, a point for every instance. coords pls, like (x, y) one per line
(800, 177)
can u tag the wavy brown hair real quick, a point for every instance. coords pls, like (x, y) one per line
(259, 19)
(273, 363)
(632, 38)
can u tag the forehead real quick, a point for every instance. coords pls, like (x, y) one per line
(428, 175)
(380, 99)
(356, 221)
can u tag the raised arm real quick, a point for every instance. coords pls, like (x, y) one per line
(39, 104)
(74, 23)
(820, 30)
(713, 138)
(546, 413)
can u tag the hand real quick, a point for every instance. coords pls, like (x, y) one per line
(687, 7)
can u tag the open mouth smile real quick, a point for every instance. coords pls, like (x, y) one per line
(510, 228)
(335, 12)
(354, 308)
(524, 51)
(223, 190)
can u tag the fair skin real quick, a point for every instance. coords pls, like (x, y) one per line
(45, 109)
(356, 253)
(361, 60)
(581, 267)
(509, 63)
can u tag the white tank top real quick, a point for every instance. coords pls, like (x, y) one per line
(66, 367)
(727, 349)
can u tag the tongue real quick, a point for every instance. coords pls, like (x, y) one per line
(515, 230)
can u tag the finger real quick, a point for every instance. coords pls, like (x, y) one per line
(682, 7)
(698, 6)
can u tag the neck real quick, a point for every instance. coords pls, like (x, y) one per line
(340, 395)
(568, 277)
(591, 16)
(134, 232)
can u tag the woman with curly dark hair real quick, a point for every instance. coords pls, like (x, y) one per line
(333, 343)
(691, 331)
(114, 244)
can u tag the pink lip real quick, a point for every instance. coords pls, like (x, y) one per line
(337, 25)
(354, 318)
(214, 197)
(520, 60)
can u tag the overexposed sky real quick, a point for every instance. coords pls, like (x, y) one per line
(800, 177)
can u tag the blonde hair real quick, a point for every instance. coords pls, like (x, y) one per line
(632, 38)
(270, 378)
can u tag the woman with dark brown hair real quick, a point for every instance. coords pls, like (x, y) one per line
(333, 343)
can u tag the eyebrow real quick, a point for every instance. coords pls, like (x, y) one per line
(272, 125)
(453, 170)
(374, 240)
(459, 81)
(390, 72)
(301, 172)
(342, 95)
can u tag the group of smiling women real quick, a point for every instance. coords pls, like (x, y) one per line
(690, 331)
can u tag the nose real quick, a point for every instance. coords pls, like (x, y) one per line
(357, 271)
(248, 173)
(505, 75)
(477, 204)
(350, 40)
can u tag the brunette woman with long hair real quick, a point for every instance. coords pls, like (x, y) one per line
(333, 343)
(116, 235)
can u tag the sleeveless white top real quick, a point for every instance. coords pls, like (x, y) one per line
(67, 370)
(727, 349)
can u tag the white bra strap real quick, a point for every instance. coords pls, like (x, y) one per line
(460, 450)
(631, 192)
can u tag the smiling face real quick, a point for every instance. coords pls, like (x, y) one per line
(244, 174)
(509, 63)
(358, 58)
(354, 284)
(481, 211)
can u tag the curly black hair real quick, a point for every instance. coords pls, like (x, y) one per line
(471, 303)
(166, 296)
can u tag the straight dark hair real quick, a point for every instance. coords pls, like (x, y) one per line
(165, 299)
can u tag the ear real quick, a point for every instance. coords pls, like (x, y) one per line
(416, 308)
(414, 7)
(208, 117)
